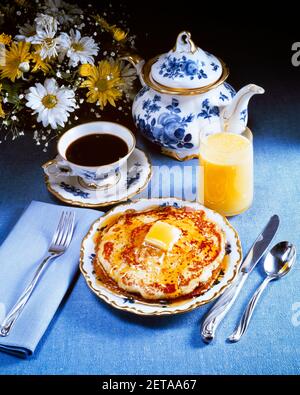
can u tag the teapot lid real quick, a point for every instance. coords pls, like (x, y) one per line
(186, 66)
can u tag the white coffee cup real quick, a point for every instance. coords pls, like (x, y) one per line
(91, 176)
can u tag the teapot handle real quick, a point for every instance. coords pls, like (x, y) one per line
(184, 43)
(138, 62)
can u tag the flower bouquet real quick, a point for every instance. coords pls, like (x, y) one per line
(59, 64)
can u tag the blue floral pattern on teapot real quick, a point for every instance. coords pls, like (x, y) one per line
(182, 67)
(169, 128)
(183, 93)
(167, 120)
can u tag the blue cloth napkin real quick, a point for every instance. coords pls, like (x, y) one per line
(20, 254)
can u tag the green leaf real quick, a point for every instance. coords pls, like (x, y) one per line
(13, 90)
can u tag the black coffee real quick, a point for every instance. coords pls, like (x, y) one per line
(96, 150)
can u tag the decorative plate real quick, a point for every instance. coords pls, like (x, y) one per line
(133, 305)
(132, 181)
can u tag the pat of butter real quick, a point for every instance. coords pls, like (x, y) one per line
(162, 235)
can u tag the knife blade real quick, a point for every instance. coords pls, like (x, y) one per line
(220, 309)
(260, 245)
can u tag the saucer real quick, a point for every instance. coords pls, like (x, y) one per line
(132, 180)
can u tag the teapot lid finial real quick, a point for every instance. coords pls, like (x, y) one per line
(184, 43)
(186, 66)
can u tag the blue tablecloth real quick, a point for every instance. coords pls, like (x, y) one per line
(89, 337)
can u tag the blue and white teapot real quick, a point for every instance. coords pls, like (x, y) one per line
(184, 92)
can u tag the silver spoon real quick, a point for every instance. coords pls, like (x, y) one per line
(278, 262)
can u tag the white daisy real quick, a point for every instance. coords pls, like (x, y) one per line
(50, 45)
(26, 32)
(65, 13)
(80, 49)
(46, 29)
(51, 102)
(46, 23)
(128, 74)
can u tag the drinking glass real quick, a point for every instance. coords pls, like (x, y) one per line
(226, 171)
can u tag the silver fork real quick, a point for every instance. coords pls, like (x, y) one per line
(60, 242)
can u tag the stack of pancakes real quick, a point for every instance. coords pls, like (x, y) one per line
(193, 263)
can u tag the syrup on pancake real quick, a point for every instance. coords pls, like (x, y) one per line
(190, 268)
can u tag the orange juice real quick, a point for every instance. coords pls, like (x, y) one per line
(226, 161)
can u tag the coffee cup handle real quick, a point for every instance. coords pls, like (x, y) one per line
(58, 168)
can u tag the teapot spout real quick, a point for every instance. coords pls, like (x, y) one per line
(138, 62)
(235, 115)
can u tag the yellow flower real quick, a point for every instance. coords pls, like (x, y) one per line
(15, 61)
(118, 34)
(102, 22)
(2, 113)
(21, 3)
(104, 83)
(5, 39)
(40, 64)
(85, 70)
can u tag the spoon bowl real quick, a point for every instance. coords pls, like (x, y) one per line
(280, 259)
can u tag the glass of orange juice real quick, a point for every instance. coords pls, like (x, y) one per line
(226, 171)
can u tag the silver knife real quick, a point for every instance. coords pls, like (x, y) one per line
(219, 310)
